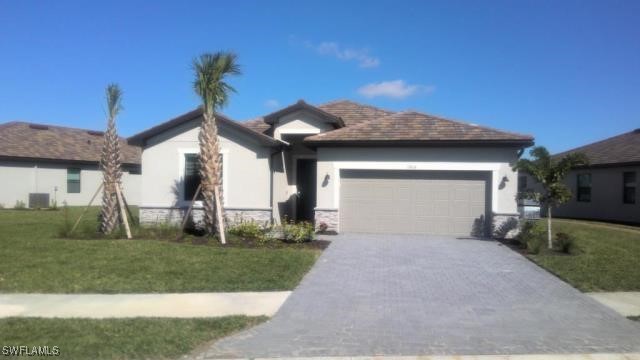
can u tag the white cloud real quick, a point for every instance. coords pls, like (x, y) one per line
(330, 48)
(272, 103)
(395, 89)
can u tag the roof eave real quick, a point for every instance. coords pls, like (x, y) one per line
(418, 143)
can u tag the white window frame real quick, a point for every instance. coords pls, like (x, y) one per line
(225, 175)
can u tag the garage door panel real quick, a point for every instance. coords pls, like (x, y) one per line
(425, 202)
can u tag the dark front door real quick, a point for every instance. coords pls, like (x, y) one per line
(306, 182)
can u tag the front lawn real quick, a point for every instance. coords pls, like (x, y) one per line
(608, 259)
(139, 338)
(35, 259)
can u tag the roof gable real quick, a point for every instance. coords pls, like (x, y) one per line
(301, 105)
(38, 141)
(140, 138)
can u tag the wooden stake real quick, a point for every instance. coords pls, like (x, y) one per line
(86, 208)
(186, 215)
(216, 191)
(123, 213)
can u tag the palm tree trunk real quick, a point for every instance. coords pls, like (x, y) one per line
(111, 177)
(550, 242)
(210, 173)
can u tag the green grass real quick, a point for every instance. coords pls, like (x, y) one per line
(139, 338)
(608, 260)
(34, 259)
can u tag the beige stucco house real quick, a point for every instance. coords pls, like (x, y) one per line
(44, 164)
(606, 189)
(345, 166)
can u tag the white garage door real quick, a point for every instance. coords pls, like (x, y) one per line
(414, 202)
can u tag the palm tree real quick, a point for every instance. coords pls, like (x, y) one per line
(211, 71)
(550, 173)
(110, 162)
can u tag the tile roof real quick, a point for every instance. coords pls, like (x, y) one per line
(257, 125)
(35, 141)
(620, 149)
(411, 126)
(353, 113)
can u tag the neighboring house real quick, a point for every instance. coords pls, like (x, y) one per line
(351, 167)
(607, 189)
(43, 164)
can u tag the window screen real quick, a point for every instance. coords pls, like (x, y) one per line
(73, 180)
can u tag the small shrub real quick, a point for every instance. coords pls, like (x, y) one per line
(534, 245)
(565, 243)
(250, 229)
(54, 205)
(322, 227)
(531, 237)
(298, 232)
(20, 205)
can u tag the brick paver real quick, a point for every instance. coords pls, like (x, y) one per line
(416, 295)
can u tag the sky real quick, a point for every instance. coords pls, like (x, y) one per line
(567, 72)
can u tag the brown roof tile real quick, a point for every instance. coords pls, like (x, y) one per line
(620, 149)
(413, 126)
(353, 113)
(27, 140)
(257, 125)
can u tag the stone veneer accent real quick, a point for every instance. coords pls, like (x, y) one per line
(505, 225)
(174, 215)
(328, 216)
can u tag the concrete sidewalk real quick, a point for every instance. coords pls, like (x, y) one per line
(98, 306)
(626, 303)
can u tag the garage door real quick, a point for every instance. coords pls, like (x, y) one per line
(414, 202)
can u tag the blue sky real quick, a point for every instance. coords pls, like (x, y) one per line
(567, 72)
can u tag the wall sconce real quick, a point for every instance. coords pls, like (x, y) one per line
(325, 181)
(503, 182)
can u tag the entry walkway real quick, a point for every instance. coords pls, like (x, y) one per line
(99, 306)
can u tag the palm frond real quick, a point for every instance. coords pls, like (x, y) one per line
(210, 72)
(114, 99)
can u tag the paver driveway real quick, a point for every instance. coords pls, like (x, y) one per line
(416, 295)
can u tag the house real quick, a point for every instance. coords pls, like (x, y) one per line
(347, 167)
(606, 189)
(44, 164)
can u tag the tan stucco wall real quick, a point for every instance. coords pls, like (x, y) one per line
(498, 161)
(246, 174)
(19, 178)
(606, 196)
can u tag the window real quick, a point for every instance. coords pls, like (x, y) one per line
(73, 180)
(629, 187)
(522, 183)
(192, 176)
(584, 187)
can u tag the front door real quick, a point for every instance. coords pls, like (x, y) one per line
(306, 183)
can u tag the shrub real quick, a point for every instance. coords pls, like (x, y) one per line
(247, 229)
(298, 232)
(54, 205)
(565, 243)
(531, 236)
(20, 205)
(322, 227)
(534, 245)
